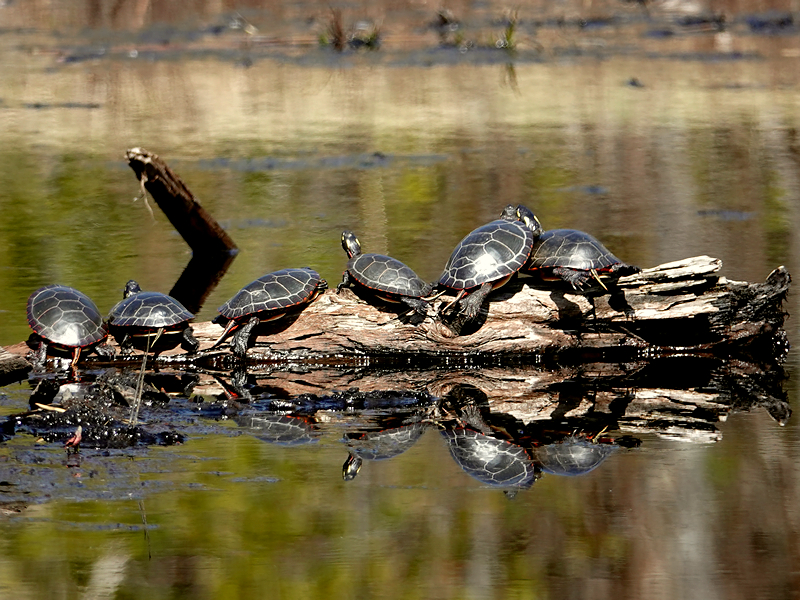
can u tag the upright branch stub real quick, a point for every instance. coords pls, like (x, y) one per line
(203, 234)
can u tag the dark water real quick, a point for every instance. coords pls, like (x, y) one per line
(664, 137)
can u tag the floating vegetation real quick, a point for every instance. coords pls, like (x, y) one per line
(507, 41)
(364, 34)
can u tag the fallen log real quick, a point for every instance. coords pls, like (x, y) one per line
(190, 219)
(12, 367)
(684, 306)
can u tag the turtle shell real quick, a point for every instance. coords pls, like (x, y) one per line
(489, 460)
(380, 445)
(148, 310)
(274, 292)
(387, 274)
(66, 317)
(283, 430)
(489, 253)
(573, 456)
(570, 248)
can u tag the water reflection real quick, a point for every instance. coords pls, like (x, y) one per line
(283, 430)
(575, 455)
(711, 128)
(506, 427)
(386, 443)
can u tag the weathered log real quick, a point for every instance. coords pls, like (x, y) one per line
(681, 307)
(12, 367)
(684, 306)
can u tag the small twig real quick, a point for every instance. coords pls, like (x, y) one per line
(137, 401)
(57, 409)
(143, 196)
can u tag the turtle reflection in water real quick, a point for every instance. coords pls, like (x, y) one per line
(492, 461)
(380, 445)
(283, 430)
(573, 456)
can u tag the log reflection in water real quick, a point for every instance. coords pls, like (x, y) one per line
(503, 426)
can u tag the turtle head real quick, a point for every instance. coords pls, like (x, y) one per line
(525, 214)
(131, 288)
(509, 213)
(351, 244)
(351, 467)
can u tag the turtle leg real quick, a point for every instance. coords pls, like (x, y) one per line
(417, 305)
(39, 357)
(241, 339)
(453, 302)
(576, 278)
(104, 351)
(76, 356)
(345, 282)
(189, 342)
(231, 325)
(126, 345)
(472, 303)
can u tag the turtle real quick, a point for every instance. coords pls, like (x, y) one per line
(486, 259)
(572, 256)
(150, 320)
(267, 298)
(282, 430)
(383, 277)
(572, 456)
(380, 445)
(492, 461)
(65, 319)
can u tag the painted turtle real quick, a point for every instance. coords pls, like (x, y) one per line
(572, 256)
(487, 258)
(65, 319)
(573, 456)
(494, 462)
(144, 319)
(380, 445)
(282, 430)
(267, 298)
(384, 277)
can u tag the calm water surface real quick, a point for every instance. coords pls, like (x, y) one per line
(412, 146)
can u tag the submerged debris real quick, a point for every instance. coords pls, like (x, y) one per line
(91, 415)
